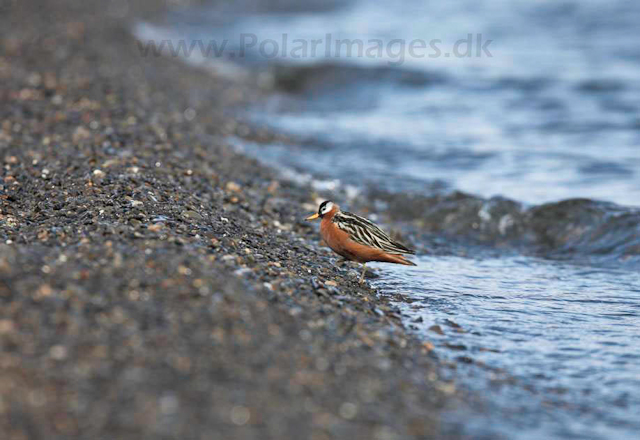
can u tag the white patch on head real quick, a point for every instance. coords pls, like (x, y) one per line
(326, 208)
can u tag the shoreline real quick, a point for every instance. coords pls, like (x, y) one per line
(155, 283)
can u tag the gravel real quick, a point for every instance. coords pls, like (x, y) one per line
(156, 284)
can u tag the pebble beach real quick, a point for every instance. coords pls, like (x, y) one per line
(156, 284)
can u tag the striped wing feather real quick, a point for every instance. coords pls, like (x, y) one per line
(367, 233)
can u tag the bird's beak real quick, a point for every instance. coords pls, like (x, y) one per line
(313, 217)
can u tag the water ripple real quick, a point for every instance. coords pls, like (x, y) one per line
(551, 326)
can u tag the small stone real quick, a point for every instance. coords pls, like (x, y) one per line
(447, 387)
(34, 79)
(458, 347)
(109, 163)
(184, 270)
(232, 186)
(189, 114)
(192, 215)
(335, 291)
(169, 404)
(348, 410)
(273, 187)
(45, 289)
(436, 329)
(285, 226)
(6, 326)
(427, 346)
(240, 415)
(453, 324)
(80, 134)
(58, 352)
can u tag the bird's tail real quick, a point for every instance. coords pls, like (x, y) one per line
(398, 259)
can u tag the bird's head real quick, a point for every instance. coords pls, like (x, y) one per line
(326, 207)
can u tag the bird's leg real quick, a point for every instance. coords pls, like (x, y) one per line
(364, 269)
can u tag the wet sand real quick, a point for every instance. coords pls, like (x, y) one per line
(155, 284)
